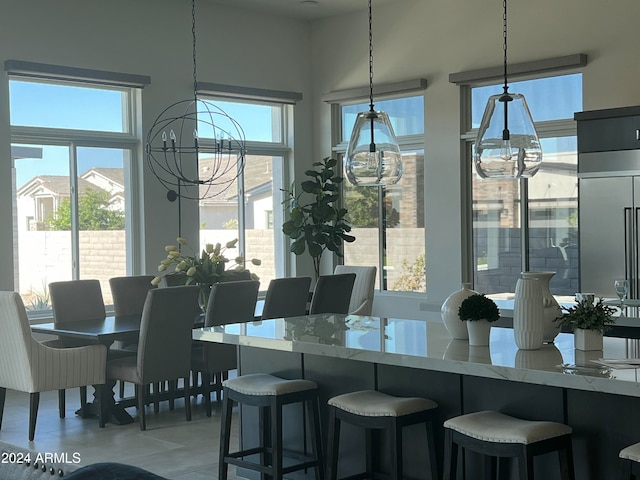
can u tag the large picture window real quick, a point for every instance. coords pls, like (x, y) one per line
(549, 199)
(250, 206)
(388, 222)
(72, 150)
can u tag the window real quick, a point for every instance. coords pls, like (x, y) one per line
(73, 148)
(549, 199)
(252, 204)
(388, 222)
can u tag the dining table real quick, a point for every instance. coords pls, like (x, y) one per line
(103, 331)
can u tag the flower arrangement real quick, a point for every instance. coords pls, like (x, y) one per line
(478, 307)
(587, 315)
(205, 269)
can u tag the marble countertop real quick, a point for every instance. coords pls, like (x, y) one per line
(426, 344)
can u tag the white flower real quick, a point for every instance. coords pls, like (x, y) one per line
(256, 261)
(156, 280)
(162, 267)
(181, 241)
(170, 248)
(191, 272)
(208, 248)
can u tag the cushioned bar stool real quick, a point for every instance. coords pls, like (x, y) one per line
(270, 394)
(628, 456)
(375, 411)
(497, 435)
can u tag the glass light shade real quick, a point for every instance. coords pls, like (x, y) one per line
(373, 159)
(518, 157)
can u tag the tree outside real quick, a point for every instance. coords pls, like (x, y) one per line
(93, 213)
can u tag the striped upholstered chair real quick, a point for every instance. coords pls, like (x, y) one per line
(27, 365)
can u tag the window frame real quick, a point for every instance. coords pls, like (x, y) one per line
(566, 127)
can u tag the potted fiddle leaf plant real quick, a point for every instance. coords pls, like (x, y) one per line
(478, 312)
(588, 320)
(320, 224)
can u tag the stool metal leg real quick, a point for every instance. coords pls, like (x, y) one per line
(450, 456)
(332, 445)
(225, 434)
(432, 462)
(396, 451)
(567, 471)
(625, 469)
(313, 410)
(276, 438)
(525, 464)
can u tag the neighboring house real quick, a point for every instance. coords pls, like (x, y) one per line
(219, 203)
(41, 196)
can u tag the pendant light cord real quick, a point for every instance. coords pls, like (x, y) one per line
(370, 59)
(505, 98)
(193, 36)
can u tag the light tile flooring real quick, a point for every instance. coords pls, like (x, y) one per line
(170, 447)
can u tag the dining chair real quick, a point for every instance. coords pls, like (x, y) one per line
(363, 288)
(229, 302)
(30, 366)
(286, 297)
(332, 294)
(164, 348)
(129, 294)
(74, 301)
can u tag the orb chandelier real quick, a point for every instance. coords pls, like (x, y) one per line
(507, 145)
(190, 129)
(373, 156)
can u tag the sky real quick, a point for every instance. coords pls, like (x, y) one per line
(98, 109)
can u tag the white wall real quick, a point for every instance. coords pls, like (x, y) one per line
(413, 38)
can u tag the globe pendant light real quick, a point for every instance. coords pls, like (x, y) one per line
(373, 155)
(507, 145)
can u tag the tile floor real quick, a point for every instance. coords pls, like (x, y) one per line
(170, 447)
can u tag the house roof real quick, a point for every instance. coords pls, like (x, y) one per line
(258, 172)
(55, 184)
(116, 175)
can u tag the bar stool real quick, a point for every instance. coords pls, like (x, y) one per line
(495, 435)
(628, 456)
(375, 411)
(270, 394)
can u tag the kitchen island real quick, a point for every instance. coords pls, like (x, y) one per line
(418, 358)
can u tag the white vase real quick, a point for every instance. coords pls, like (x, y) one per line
(449, 311)
(479, 332)
(550, 307)
(587, 340)
(527, 314)
(547, 358)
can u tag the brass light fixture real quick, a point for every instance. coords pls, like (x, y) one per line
(373, 155)
(507, 145)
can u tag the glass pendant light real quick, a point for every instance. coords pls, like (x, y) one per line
(507, 145)
(373, 155)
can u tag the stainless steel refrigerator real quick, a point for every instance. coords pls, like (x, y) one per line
(609, 221)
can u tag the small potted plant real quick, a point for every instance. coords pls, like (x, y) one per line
(589, 321)
(479, 312)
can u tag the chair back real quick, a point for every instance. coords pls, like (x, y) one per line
(76, 300)
(232, 302)
(332, 294)
(15, 342)
(363, 288)
(173, 280)
(286, 297)
(129, 293)
(164, 349)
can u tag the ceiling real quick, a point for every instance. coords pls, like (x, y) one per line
(302, 9)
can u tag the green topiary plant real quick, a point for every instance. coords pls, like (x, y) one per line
(588, 316)
(318, 225)
(478, 307)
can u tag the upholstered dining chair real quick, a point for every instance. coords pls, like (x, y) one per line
(286, 297)
(332, 293)
(129, 294)
(74, 301)
(27, 365)
(363, 288)
(229, 302)
(164, 347)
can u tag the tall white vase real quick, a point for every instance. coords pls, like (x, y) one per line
(449, 311)
(550, 307)
(527, 314)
